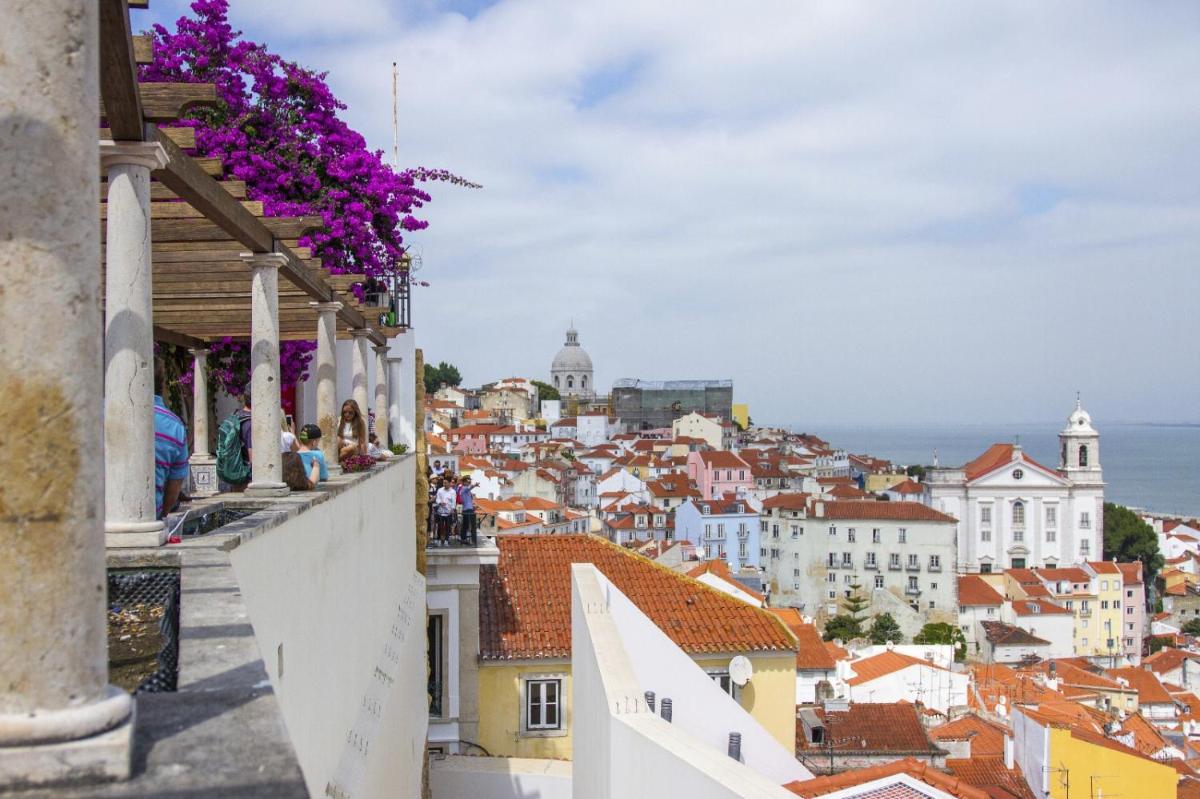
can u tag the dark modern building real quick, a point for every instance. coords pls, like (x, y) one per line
(648, 404)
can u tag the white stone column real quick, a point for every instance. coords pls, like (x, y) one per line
(202, 464)
(358, 363)
(405, 390)
(328, 416)
(266, 463)
(130, 516)
(381, 396)
(59, 720)
(395, 373)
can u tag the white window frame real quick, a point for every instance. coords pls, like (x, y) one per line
(562, 727)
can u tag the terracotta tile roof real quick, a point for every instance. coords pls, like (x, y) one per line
(525, 601)
(812, 654)
(1168, 659)
(871, 727)
(1068, 574)
(722, 459)
(720, 569)
(1131, 573)
(883, 664)
(974, 590)
(918, 770)
(1038, 607)
(836, 652)
(986, 737)
(791, 501)
(907, 487)
(1001, 634)
(1150, 691)
(1104, 567)
(884, 511)
(998, 455)
(990, 775)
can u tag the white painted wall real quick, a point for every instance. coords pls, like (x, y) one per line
(338, 611)
(1031, 750)
(936, 688)
(459, 777)
(620, 748)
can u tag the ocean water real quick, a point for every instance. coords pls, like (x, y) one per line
(1156, 467)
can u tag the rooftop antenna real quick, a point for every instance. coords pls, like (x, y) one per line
(395, 119)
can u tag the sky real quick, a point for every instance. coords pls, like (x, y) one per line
(859, 212)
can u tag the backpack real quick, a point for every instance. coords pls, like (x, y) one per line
(232, 466)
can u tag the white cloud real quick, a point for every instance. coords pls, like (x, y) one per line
(855, 210)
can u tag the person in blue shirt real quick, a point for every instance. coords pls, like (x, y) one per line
(170, 450)
(311, 455)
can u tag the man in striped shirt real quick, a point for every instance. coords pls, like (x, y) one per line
(170, 450)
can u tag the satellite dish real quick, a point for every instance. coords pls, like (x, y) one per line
(740, 670)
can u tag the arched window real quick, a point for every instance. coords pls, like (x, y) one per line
(1064, 454)
(583, 382)
(1083, 456)
(570, 381)
(1018, 513)
(556, 381)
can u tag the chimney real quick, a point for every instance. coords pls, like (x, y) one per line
(1008, 751)
(735, 746)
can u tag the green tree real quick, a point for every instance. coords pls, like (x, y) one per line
(942, 633)
(842, 627)
(916, 471)
(1156, 643)
(1192, 627)
(444, 374)
(884, 628)
(856, 603)
(546, 391)
(1127, 538)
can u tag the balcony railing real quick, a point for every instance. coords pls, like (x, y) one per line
(935, 567)
(912, 567)
(872, 565)
(894, 566)
(910, 591)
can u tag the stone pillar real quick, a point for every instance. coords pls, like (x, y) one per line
(405, 390)
(358, 363)
(381, 396)
(130, 516)
(328, 413)
(395, 373)
(59, 720)
(266, 478)
(202, 464)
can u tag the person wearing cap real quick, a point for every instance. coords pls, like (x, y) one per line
(311, 455)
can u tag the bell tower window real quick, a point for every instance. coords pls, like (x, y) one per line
(1083, 456)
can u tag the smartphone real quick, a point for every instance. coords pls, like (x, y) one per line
(290, 421)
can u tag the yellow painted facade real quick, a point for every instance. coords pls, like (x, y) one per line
(1081, 768)
(770, 697)
(741, 414)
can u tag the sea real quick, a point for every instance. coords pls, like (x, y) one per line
(1149, 466)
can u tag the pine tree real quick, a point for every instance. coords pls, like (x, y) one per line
(856, 603)
(884, 628)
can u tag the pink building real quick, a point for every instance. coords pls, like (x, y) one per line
(717, 473)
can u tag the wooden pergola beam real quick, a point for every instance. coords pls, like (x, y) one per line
(166, 336)
(119, 93)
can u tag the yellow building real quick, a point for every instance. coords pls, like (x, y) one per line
(1064, 762)
(741, 414)
(525, 640)
(1108, 619)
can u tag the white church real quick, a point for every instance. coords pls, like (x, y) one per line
(1013, 512)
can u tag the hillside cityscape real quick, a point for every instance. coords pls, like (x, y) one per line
(262, 538)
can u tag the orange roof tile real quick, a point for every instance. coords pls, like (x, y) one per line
(876, 666)
(871, 727)
(998, 455)
(1150, 691)
(819, 786)
(791, 501)
(974, 590)
(812, 654)
(1038, 607)
(525, 601)
(889, 511)
(986, 737)
(990, 775)
(720, 569)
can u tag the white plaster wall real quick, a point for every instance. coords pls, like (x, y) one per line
(458, 777)
(936, 688)
(338, 611)
(620, 748)
(1031, 750)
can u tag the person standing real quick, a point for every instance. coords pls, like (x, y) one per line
(445, 501)
(466, 498)
(170, 450)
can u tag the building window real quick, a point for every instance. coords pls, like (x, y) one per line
(914, 561)
(543, 709)
(1085, 548)
(1083, 456)
(1018, 563)
(721, 530)
(875, 536)
(762, 526)
(850, 535)
(570, 381)
(985, 514)
(985, 568)
(707, 531)
(1051, 536)
(743, 552)
(832, 560)
(1129, 611)
(831, 578)
(775, 531)
(985, 535)
(1085, 520)
(795, 572)
(913, 585)
(832, 530)
(932, 587)
(705, 509)
(935, 561)
(437, 665)
(846, 559)
(903, 535)
(1018, 513)
(795, 531)
(1051, 516)
(1104, 604)
(879, 581)
(727, 685)
(870, 560)
(894, 560)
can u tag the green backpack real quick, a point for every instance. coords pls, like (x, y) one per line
(231, 463)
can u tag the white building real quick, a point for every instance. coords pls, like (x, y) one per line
(1044, 619)
(699, 425)
(571, 370)
(900, 554)
(1014, 512)
(890, 677)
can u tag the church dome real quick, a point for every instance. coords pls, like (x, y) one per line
(1080, 421)
(572, 357)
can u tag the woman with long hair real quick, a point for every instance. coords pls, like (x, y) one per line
(352, 431)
